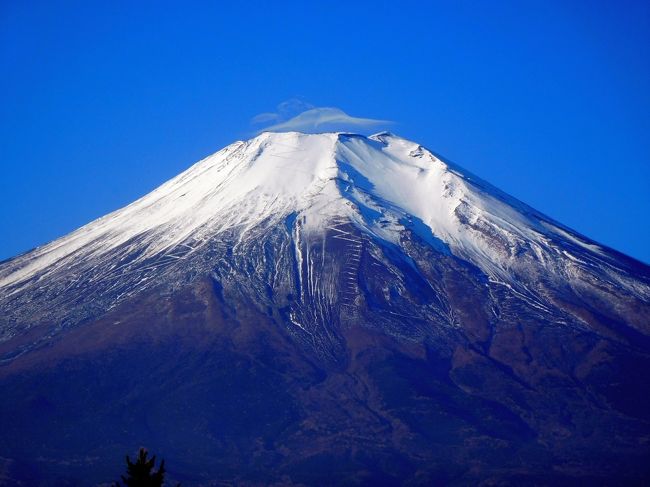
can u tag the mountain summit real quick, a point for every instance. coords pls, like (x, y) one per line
(327, 308)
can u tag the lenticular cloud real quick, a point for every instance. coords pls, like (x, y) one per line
(322, 119)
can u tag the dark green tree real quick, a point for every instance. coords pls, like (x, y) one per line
(141, 472)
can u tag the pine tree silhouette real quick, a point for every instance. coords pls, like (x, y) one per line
(140, 473)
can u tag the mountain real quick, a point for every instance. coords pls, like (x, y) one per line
(326, 309)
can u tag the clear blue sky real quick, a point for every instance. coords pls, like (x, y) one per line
(102, 101)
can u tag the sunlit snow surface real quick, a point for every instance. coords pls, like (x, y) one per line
(382, 187)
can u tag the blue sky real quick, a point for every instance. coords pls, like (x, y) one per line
(100, 102)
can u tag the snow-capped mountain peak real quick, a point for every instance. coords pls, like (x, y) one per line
(295, 298)
(389, 181)
(386, 187)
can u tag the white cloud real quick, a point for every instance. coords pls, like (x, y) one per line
(265, 117)
(300, 116)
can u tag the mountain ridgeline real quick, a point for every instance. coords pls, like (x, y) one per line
(326, 309)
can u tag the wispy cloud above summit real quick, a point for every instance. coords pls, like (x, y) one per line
(300, 116)
(284, 111)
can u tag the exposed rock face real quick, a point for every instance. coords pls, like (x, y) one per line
(326, 309)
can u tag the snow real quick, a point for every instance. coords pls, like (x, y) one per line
(380, 183)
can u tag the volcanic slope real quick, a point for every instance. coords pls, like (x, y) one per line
(326, 308)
